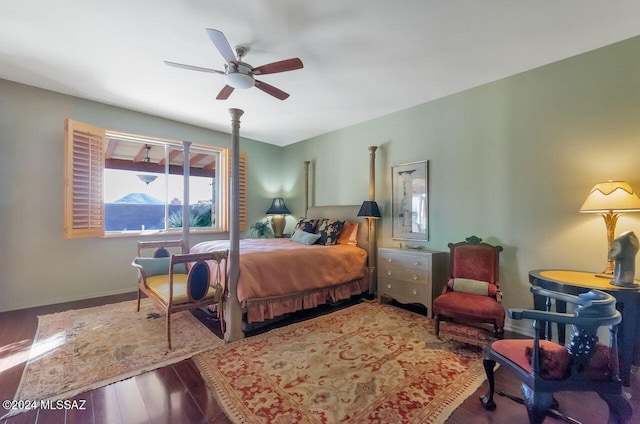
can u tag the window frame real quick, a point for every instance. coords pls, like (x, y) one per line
(84, 209)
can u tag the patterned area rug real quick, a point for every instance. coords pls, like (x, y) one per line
(367, 363)
(79, 350)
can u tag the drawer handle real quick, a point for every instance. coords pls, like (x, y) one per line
(388, 286)
(416, 263)
(388, 272)
(389, 260)
(415, 292)
(415, 277)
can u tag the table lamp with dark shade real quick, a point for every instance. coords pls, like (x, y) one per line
(278, 209)
(611, 199)
(370, 209)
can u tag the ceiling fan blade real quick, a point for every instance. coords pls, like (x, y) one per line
(193, 68)
(225, 92)
(221, 43)
(270, 89)
(281, 66)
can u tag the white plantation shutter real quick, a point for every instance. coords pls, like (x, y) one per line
(83, 180)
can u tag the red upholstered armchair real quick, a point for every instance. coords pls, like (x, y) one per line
(473, 291)
(545, 367)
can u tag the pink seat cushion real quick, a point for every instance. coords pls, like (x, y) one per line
(555, 360)
(456, 303)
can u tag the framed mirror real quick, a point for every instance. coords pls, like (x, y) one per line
(410, 201)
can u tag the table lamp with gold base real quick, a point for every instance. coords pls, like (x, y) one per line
(278, 210)
(611, 199)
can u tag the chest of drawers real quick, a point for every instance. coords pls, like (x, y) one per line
(411, 276)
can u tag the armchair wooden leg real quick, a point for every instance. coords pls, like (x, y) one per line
(437, 326)
(138, 300)
(498, 331)
(487, 400)
(619, 409)
(169, 330)
(537, 404)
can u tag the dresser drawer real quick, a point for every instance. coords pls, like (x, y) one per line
(403, 291)
(405, 274)
(392, 260)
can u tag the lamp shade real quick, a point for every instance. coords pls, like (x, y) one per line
(369, 208)
(278, 207)
(611, 196)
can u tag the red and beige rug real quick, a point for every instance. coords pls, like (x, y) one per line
(79, 350)
(367, 363)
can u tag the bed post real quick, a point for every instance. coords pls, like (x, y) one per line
(186, 170)
(306, 187)
(372, 258)
(372, 173)
(233, 311)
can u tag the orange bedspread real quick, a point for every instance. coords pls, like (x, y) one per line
(279, 267)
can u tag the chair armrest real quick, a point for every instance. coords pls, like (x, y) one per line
(583, 321)
(141, 274)
(533, 314)
(539, 291)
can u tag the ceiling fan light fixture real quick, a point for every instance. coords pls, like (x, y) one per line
(239, 80)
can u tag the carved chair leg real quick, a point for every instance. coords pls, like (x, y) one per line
(437, 325)
(537, 404)
(498, 331)
(138, 300)
(619, 408)
(487, 400)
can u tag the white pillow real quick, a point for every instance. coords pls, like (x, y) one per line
(305, 238)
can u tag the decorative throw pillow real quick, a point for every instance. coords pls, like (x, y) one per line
(329, 231)
(349, 234)
(307, 225)
(467, 285)
(304, 237)
(554, 363)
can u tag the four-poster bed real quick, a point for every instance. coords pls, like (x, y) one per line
(279, 276)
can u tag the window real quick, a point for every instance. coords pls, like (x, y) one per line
(121, 183)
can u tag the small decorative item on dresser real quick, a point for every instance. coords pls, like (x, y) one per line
(411, 276)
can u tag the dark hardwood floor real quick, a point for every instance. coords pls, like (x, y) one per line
(178, 394)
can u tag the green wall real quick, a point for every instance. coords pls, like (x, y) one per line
(38, 266)
(511, 162)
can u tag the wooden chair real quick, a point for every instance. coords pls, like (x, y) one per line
(545, 367)
(473, 292)
(181, 282)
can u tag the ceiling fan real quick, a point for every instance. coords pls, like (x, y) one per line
(238, 74)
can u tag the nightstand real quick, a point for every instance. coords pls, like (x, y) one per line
(411, 276)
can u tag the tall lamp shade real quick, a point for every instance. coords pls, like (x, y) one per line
(278, 210)
(369, 209)
(611, 199)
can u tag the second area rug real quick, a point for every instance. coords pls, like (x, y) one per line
(367, 363)
(79, 350)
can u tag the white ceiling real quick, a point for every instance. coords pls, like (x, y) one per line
(362, 58)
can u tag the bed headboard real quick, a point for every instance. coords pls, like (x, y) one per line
(344, 213)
